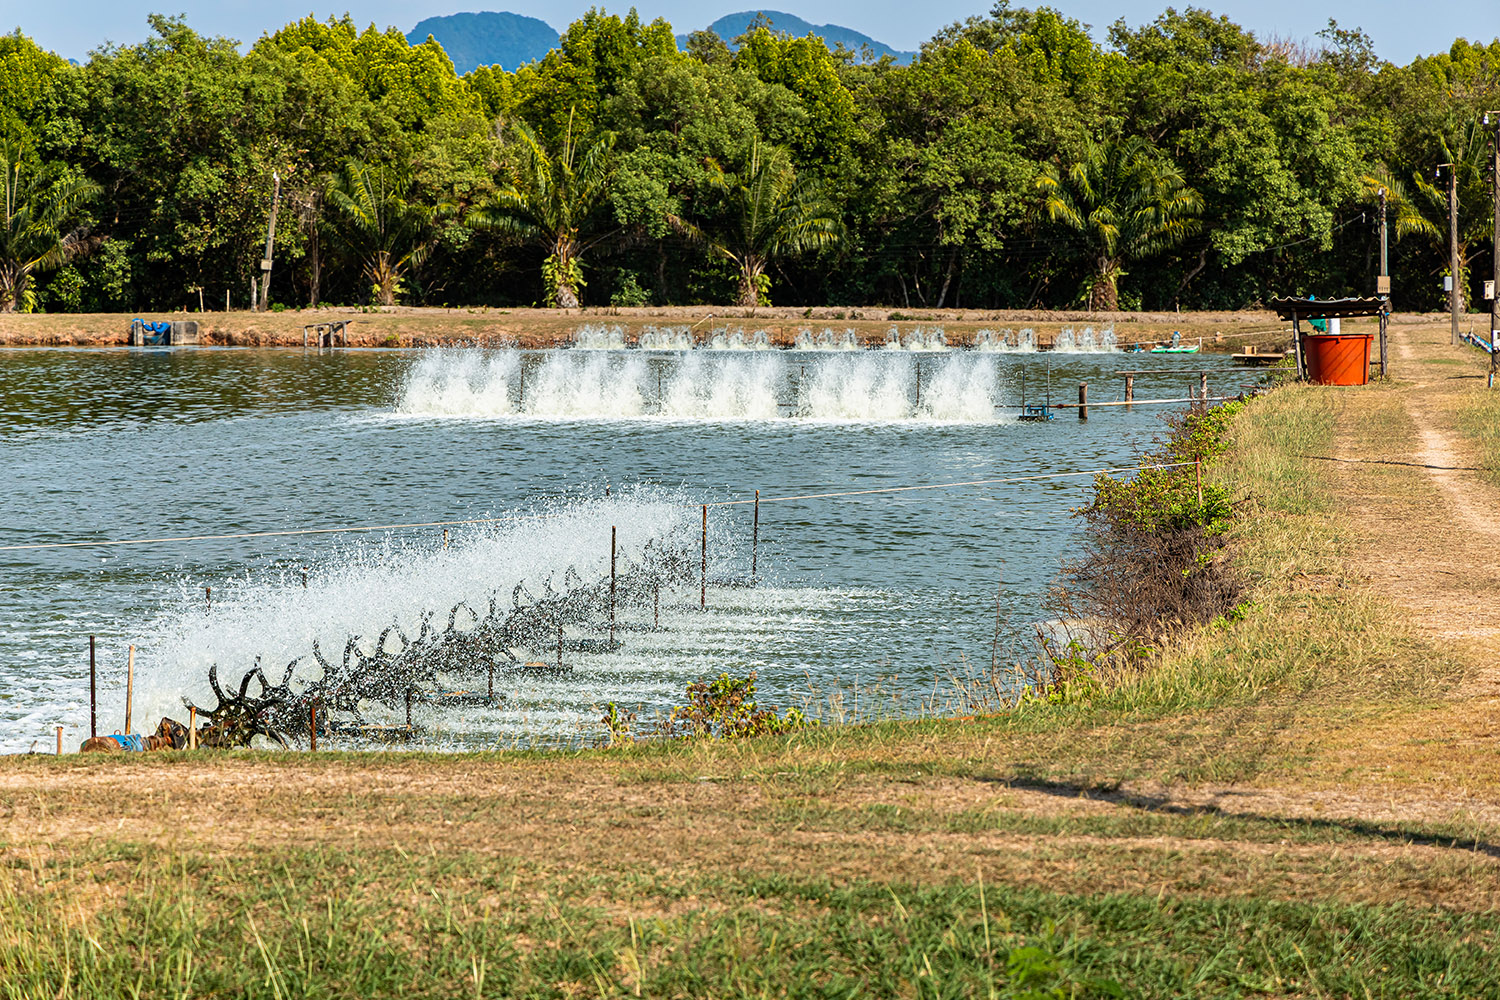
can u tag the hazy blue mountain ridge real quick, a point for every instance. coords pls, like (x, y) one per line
(487, 38)
(731, 26)
(490, 38)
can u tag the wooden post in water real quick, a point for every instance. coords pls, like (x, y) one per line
(312, 726)
(445, 539)
(1203, 388)
(612, 537)
(755, 540)
(93, 693)
(703, 587)
(1083, 400)
(408, 709)
(1130, 388)
(192, 728)
(492, 680)
(59, 741)
(208, 598)
(129, 685)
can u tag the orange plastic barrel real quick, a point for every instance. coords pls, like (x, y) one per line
(1337, 358)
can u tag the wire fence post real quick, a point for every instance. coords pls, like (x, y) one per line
(129, 686)
(755, 541)
(93, 692)
(703, 578)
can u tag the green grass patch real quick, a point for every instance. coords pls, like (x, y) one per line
(319, 923)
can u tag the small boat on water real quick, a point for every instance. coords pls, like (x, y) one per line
(1177, 346)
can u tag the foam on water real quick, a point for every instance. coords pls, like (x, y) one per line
(728, 385)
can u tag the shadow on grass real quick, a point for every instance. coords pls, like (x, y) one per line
(1166, 806)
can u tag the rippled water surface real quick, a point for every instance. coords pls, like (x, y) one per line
(116, 444)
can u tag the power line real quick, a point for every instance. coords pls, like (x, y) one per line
(1039, 477)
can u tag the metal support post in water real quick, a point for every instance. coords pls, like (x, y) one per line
(93, 693)
(492, 680)
(208, 598)
(1130, 388)
(559, 644)
(1083, 400)
(656, 602)
(703, 587)
(755, 540)
(408, 709)
(312, 725)
(129, 685)
(612, 536)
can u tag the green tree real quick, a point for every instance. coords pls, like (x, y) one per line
(33, 226)
(380, 224)
(1421, 207)
(770, 212)
(1125, 201)
(549, 201)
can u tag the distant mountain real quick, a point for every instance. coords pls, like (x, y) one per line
(509, 40)
(731, 26)
(487, 38)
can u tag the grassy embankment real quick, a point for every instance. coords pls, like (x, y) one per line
(1238, 821)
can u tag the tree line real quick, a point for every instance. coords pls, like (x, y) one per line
(1016, 163)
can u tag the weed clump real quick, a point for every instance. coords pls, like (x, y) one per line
(721, 708)
(1153, 560)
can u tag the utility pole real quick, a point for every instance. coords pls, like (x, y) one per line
(265, 263)
(1492, 119)
(1453, 289)
(1383, 282)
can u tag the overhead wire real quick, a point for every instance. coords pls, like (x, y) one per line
(364, 528)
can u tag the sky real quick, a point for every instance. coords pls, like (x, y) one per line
(1400, 28)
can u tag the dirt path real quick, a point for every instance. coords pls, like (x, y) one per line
(1430, 536)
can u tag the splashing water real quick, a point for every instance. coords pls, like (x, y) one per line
(276, 620)
(709, 386)
(1085, 341)
(723, 340)
(600, 338)
(827, 340)
(677, 338)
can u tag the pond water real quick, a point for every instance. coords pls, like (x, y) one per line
(888, 590)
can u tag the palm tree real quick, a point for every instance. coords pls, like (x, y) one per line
(377, 219)
(771, 213)
(1421, 209)
(549, 201)
(1127, 202)
(31, 226)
